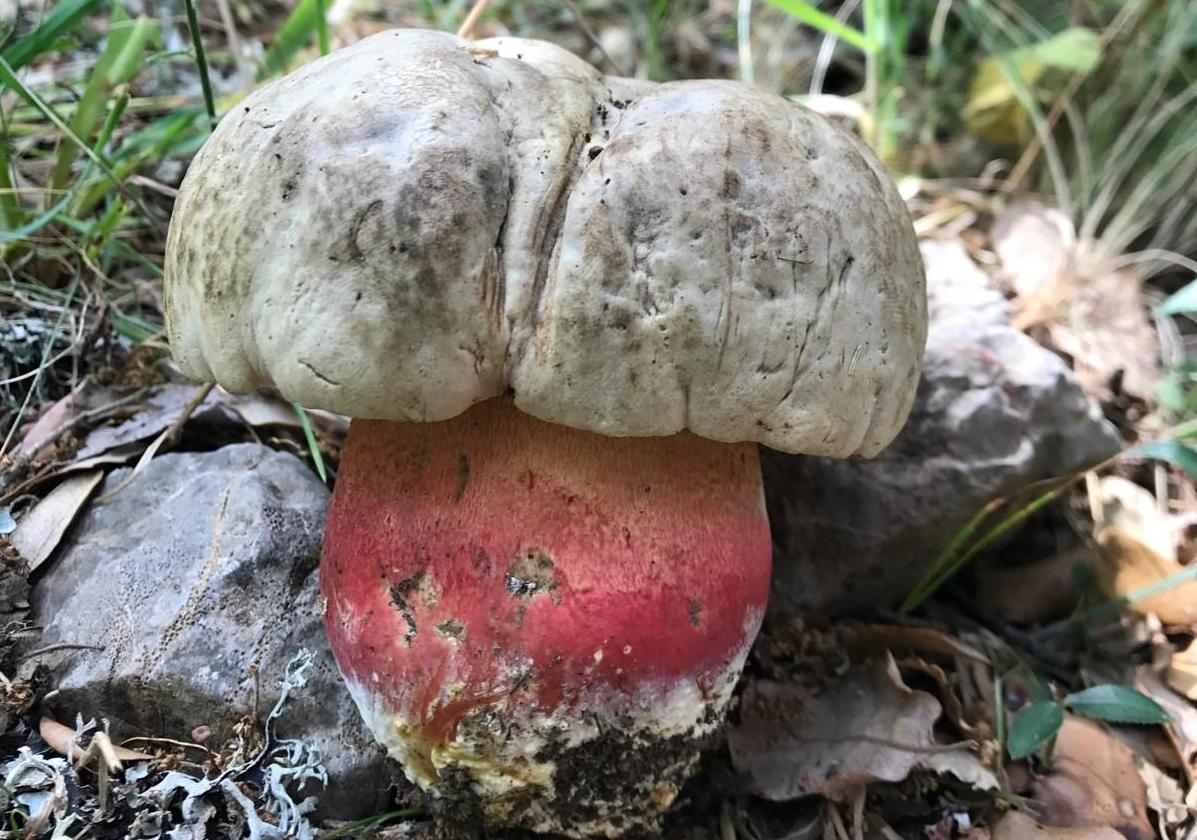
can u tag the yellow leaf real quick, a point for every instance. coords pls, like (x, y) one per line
(993, 111)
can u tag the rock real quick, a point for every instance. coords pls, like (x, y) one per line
(205, 565)
(995, 411)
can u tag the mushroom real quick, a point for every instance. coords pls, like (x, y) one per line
(564, 310)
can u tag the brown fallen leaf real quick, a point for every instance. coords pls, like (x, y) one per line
(873, 639)
(259, 410)
(155, 413)
(1031, 244)
(1183, 728)
(1094, 782)
(1032, 592)
(1165, 798)
(1093, 314)
(41, 529)
(1018, 826)
(952, 707)
(867, 726)
(49, 422)
(1137, 547)
(1182, 671)
(58, 737)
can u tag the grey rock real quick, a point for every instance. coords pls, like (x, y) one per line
(995, 411)
(205, 565)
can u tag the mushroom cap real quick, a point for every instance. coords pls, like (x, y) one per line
(417, 223)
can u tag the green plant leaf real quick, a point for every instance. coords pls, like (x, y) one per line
(996, 109)
(1035, 725)
(43, 39)
(117, 64)
(825, 23)
(1171, 395)
(1076, 48)
(1170, 451)
(1183, 300)
(1116, 703)
(296, 32)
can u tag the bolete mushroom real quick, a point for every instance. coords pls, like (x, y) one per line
(563, 310)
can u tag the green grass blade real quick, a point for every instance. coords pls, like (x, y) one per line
(825, 23)
(10, 205)
(9, 79)
(118, 63)
(947, 566)
(945, 558)
(43, 39)
(366, 827)
(296, 31)
(201, 60)
(310, 435)
(322, 27)
(15, 234)
(1115, 605)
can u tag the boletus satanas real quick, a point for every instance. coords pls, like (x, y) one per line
(564, 310)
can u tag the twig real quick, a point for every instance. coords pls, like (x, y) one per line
(171, 741)
(594, 40)
(167, 438)
(476, 12)
(176, 428)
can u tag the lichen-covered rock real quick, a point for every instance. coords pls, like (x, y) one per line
(995, 411)
(202, 568)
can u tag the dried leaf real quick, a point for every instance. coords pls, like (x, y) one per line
(1031, 242)
(1182, 671)
(1033, 592)
(1018, 826)
(1138, 548)
(41, 529)
(1183, 729)
(158, 411)
(1164, 796)
(1094, 782)
(868, 726)
(1094, 316)
(953, 707)
(58, 737)
(260, 410)
(50, 421)
(867, 639)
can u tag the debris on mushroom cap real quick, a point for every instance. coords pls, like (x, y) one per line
(417, 223)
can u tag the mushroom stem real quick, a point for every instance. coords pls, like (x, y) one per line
(548, 618)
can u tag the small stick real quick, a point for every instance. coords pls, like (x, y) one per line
(476, 11)
(594, 39)
(167, 438)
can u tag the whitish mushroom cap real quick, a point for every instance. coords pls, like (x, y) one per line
(417, 223)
